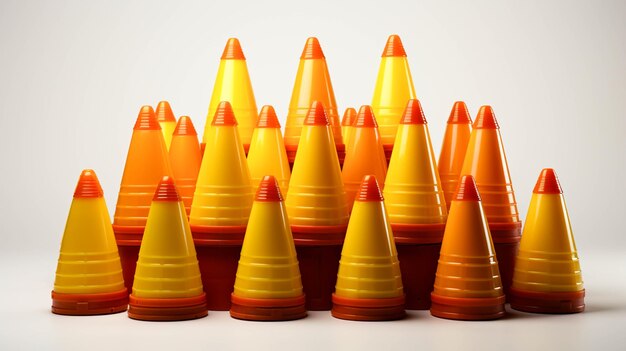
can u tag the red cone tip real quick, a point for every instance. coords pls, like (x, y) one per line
(232, 50)
(369, 190)
(267, 118)
(366, 118)
(316, 115)
(185, 127)
(486, 119)
(166, 191)
(312, 50)
(548, 183)
(459, 114)
(349, 117)
(413, 113)
(146, 120)
(394, 47)
(268, 190)
(224, 115)
(88, 185)
(467, 190)
(164, 112)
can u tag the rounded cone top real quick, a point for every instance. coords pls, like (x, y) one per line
(366, 117)
(232, 50)
(164, 112)
(349, 117)
(316, 115)
(185, 127)
(467, 190)
(166, 191)
(267, 118)
(394, 47)
(88, 185)
(548, 183)
(369, 190)
(146, 120)
(312, 49)
(486, 119)
(459, 114)
(413, 113)
(224, 115)
(268, 190)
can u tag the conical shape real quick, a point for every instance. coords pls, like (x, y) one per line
(267, 153)
(89, 274)
(467, 285)
(312, 84)
(167, 121)
(347, 130)
(185, 159)
(547, 277)
(394, 87)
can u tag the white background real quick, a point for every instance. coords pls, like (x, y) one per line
(73, 75)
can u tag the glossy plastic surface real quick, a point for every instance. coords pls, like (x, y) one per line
(185, 159)
(167, 121)
(347, 122)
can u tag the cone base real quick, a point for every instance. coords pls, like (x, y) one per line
(89, 304)
(293, 149)
(418, 266)
(547, 302)
(467, 309)
(174, 309)
(384, 309)
(506, 254)
(418, 233)
(388, 149)
(129, 255)
(284, 309)
(318, 268)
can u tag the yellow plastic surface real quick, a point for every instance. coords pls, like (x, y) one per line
(453, 149)
(167, 129)
(267, 156)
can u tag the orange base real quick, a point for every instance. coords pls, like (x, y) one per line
(385, 309)
(547, 302)
(174, 309)
(285, 309)
(467, 309)
(506, 253)
(89, 304)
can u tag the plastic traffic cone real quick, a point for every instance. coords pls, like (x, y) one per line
(453, 149)
(468, 285)
(221, 207)
(185, 159)
(317, 209)
(267, 153)
(349, 117)
(167, 283)
(394, 86)
(146, 163)
(167, 121)
(547, 276)
(233, 84)
(365, 155)
(89, 274)
(369, 285)
(486, 161)
(417, 209)
(312, 84)
(268, 285)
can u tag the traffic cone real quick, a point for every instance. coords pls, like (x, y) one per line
(146, 163)
(167, 121)
(453, 149)
(468, 285)
(220, 208)
(394, 87)
(185, 159)
(317, 209)
(365, 155)
(233, 84)
(369, 285)
(417, 209)
(486, 162)
(547, 276)
(267, 153)
(268, 285)
(89, 273)
(312, 84)
(349, 117)
(167, 283)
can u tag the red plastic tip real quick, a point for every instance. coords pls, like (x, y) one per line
(366, 118)
(146, 120)
(185, 127)
(224, 115)
(369, 190)
(459, 114)
(267, 118)
(232, 50)
(486, 119)
(88, 185)
(164, 112)
(312, 49)
(316, 115)
(394, 47)
(548, 183)
(349, 117)
(166, 191)
(467, 190)
(268, 190)
(413, 113)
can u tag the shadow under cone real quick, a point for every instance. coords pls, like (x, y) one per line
(167, 121)
(185, 159)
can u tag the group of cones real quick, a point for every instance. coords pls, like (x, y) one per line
(192, 235)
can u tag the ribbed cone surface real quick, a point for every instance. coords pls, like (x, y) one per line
(268, 190)
(486, 119)
(166, 191)
(349, 116)
(394, 47)
(366, 118)
(268, 118)
(413, 113)
(312, 50)
(369, 190)
(164, 112)
(224, 116)
(467, 190)
(548, 183)
(185, 127)
(232, 50)
(316, 115)
(88, 185)
(146, 120)
(459, 114)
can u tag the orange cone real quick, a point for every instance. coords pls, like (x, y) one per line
(185, 159)
(167, 121)
(349, 117)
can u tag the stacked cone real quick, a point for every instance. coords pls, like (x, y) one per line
(167, 284)
(268, 285)
(547, 277)
(486, 162)
(317, 209)
(167, 121)
(467, 286)
(89, 274)
(394, 86)
(417, 209)
(221, 207)
(349, 117)
(312, 84)
(369, 285)
(146, 163)
(185, 159)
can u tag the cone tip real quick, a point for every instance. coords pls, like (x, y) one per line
(146, 120)
(467, 190)
(88, 185)
(413, 113)
(232, 50)
(459, 114)
(486, 119)
(164, 112)
(166, 191)
(312, 49)
(185, 126)
(267, 118)
(366, 118)
(349, 117)
(394, 47)
(268, 190)
(548, 183)
(369, 190)
(224, 115)
(316, 115)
